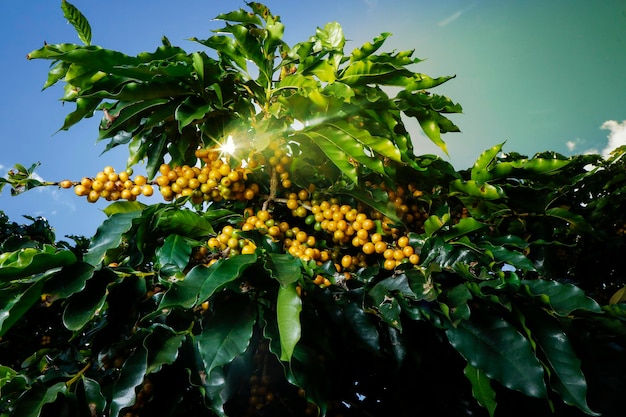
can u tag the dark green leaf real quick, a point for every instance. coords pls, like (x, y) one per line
(162, 345)
(82, 306)
(32, 401)
(125, 118)
(70, 280)
(563, 298)
(566, 377)
(131, 375)
(481, 388)
(16, 303)
(174, 251)
(184, 293)
(190, 110)
(225, 337)
(575, 221)
(369, 48)
(93, 395)
(492, 345)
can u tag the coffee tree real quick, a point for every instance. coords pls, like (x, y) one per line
(305, 260)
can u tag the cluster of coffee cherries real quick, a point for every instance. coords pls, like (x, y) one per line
(216, 180)
(321, 231)
(111, 186)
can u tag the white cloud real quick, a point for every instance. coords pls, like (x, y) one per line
(570, 145)
(617, 135)
(454, 16)
(450, 19)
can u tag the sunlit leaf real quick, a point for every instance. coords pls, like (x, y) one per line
(29, 261)
(288, 308)
(78, 20)
(109, 235)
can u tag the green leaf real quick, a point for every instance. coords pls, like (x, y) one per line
(162, 345)
(362, 324)
(481, 388)
(566, 377)
(563, 298)
(464, 227)
(222, 272)
(82, 306)
(240, 16)
(32, 401)
(288, 308)
(28, 261)
(338, 156)
(511, 257)
(491, 344)
(109, 235)
(456, 301)
(78, 20)
(70, 280)
(226, 336)
(283, 267)
(174, 251)
(123, 207)
(131, 376)
(93, 395)
(16, 303)
(125, 118)
(476, 189)
(184, 222)
(484, 163)
(190, 110)
(56, 73)
(184, 293)
(367, 49)
(85, 108)
(576, 221)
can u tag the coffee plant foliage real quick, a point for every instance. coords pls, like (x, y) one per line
(305, 260)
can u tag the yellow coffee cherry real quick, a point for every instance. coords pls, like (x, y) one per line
(65, 184)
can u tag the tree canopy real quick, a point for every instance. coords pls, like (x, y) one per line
(307, 260)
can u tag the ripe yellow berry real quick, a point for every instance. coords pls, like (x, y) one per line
(368, 248)
(93, 196)
(140, 180)
(81, 190)
(147, 190)
(389, 264)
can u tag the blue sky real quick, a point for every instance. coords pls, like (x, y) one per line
(540, 75)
